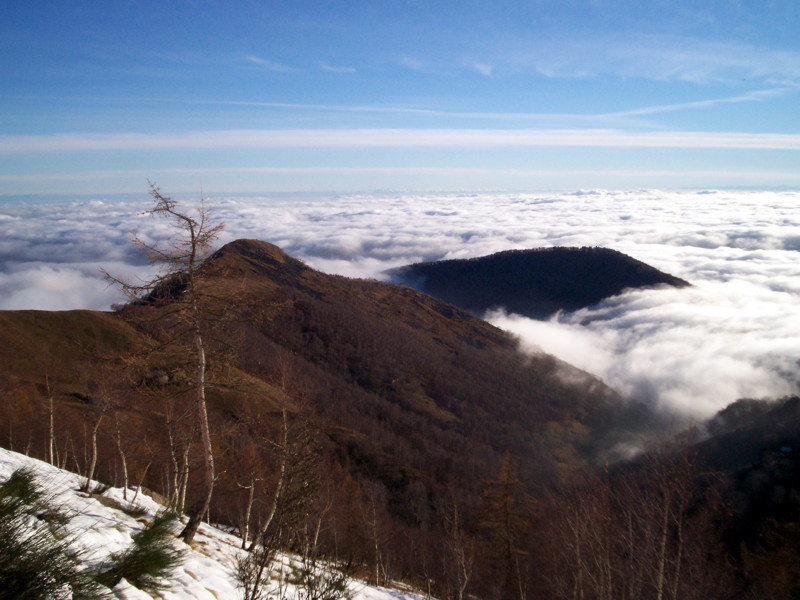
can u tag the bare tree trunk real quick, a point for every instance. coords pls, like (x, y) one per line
(51, 430)
(189, 531)
(65, 459)
(374, 525)
(279, 486)
(315, 541)
(173, 493)
(677, 576)
(463, 556)
(184, 480)
(93, 456)
(122, 457)
(141, 480)
(244, 528)
(662, 554)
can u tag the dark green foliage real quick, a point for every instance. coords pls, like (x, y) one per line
(318, 581)
(149, 559)
(99, 489)
(36, 558)
(134, 511)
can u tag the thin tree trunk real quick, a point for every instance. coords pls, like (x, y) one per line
(279, 487)
(51, 430)
(93, 459)
(67, 445)
(245, 526)
(190, 530)
(141, 480)
(173, 494)
(123, 459)
(184, 480)
(319, 527)
(51, 434)
(375, 542)
(663, 550)
(679, 556)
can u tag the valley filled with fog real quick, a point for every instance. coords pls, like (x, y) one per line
(735, 333)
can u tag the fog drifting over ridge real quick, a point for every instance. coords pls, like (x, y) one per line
(735, 333)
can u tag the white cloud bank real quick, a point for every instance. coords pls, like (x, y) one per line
(735, 333)
(395, 138)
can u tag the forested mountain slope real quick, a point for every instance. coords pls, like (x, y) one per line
(536, 283)
(399, 436)
(405, 382)
(404, 402)
(407, 388)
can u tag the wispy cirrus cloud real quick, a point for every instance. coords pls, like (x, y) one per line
(484, 69)
(334, 69)
(754, 96)
(267, 65)
(655, 57)
(364, 138)
(622, 117)
(414, 63)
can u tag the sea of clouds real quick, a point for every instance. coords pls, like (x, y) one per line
(735, 333)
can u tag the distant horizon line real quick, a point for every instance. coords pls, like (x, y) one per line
(392, 137)
(392, 192)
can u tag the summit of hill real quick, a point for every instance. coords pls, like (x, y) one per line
(536, 283)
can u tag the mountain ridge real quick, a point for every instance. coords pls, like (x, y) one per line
(410, 401)
(536, 282)
(414, 411)
(398, 351)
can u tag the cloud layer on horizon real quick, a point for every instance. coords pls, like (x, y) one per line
(736, 333)
(394, 137)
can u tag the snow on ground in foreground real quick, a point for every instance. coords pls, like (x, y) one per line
(207, 571)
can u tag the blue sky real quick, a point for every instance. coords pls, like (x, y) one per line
(331, 96)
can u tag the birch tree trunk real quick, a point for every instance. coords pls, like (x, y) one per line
(93, 457)
(51, 430)
(197, 513)
(123, 458)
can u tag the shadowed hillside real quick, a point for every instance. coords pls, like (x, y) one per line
(408, 388)
(411, 387)
(404, 402)
(400, 435)
(536, 283)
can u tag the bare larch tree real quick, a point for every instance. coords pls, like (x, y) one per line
(180, 259)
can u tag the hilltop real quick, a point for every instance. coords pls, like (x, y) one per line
(535, 283)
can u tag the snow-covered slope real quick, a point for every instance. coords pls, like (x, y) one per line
(100, 527)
